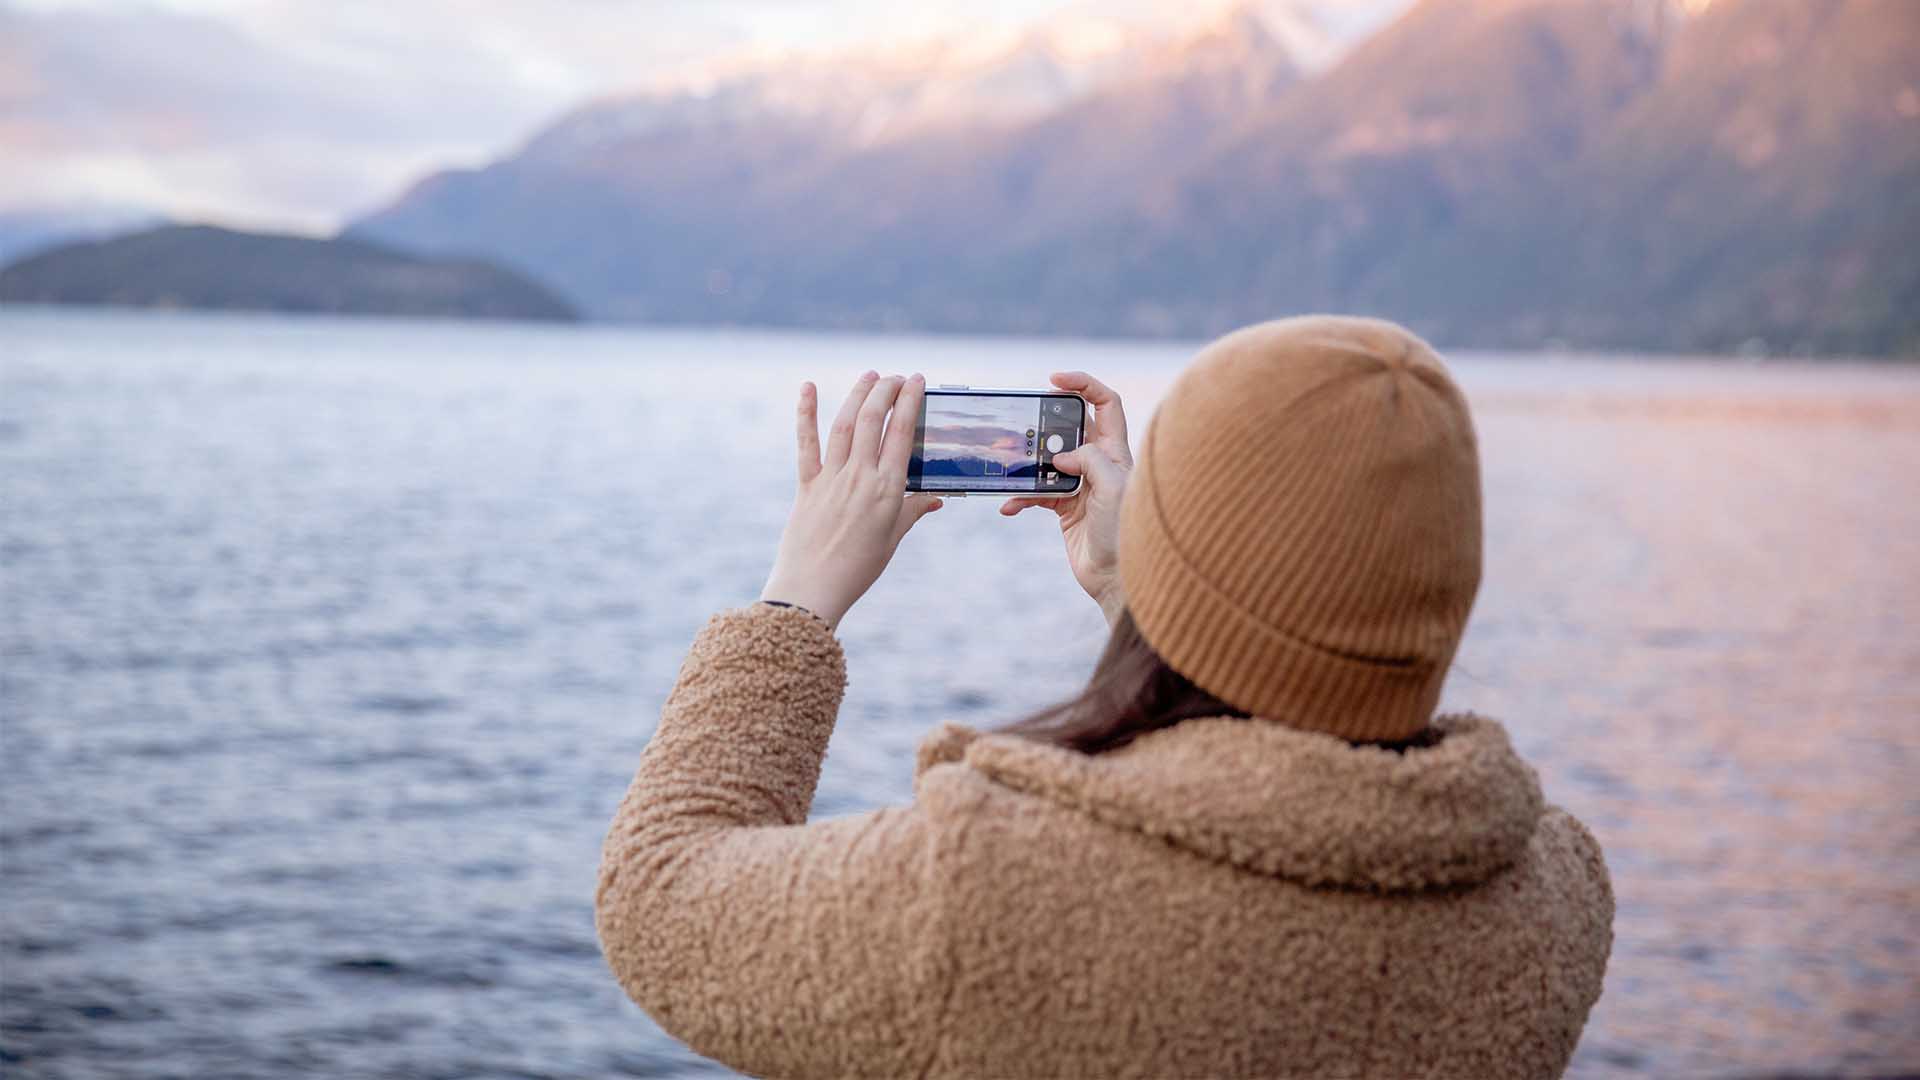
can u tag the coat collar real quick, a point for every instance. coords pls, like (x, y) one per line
(1288, 803)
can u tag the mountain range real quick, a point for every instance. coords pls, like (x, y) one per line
(1607, 173)
(1669, 175)
(968, 465)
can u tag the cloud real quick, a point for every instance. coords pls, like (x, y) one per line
(974, 437)
(296, 112)
(955, 414)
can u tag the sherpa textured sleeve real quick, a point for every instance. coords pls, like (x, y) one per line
(772, 945)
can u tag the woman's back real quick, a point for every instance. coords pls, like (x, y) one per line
(1226, 897)
(1232, 898)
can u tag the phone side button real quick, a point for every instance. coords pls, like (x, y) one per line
(953, 386)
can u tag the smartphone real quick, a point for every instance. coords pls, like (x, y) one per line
(978, 440)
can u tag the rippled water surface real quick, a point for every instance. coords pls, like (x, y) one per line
(328, 649)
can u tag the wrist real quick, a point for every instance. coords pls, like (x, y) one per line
(794, 607)
(819, 607)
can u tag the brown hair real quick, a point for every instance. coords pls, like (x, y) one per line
(1132, 691)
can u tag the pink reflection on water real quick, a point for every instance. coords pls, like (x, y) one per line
(1699, 622)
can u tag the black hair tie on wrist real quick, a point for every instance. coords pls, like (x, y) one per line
(796, 607)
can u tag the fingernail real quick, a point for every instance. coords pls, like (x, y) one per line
(871, 374)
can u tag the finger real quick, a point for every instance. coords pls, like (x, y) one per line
(1109, 416)
(871, 419)
(912, 509)
(840, 437)
(1090, 461)
(1015, 505)
(808, 433)
(896, 453)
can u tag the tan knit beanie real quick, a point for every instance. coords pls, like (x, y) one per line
(1302, 536)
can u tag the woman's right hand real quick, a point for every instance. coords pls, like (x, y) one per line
(1090, 520)
(851, 509)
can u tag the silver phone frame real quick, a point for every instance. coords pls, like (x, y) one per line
(1014, 391)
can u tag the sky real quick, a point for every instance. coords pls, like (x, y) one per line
(983, 427)
(300, 114)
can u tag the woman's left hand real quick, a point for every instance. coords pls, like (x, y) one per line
(851, 509)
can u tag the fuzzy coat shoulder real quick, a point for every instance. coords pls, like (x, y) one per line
(1221, 898)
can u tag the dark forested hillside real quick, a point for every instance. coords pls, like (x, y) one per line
(204, 267)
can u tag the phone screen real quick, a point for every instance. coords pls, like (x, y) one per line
(995, 441)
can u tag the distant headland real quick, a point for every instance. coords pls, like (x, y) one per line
(202, 266)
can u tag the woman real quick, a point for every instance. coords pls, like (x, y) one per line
(1247, 849)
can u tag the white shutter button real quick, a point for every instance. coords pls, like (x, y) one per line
(1054, 443)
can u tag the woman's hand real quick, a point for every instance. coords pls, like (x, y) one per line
(1090, 520)
(850, 511)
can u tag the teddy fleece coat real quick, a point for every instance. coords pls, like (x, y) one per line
(1221, 898)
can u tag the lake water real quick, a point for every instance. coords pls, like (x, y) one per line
(329, 648)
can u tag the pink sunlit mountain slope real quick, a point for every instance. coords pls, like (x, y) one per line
(1637, 173)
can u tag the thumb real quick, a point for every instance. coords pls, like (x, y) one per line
(1091, 462)
(912, 509)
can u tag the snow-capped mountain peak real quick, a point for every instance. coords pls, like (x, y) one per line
(884, 90)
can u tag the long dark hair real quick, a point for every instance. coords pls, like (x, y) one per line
(1132, 691)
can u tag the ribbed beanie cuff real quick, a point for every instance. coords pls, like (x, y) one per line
(1209, 639)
